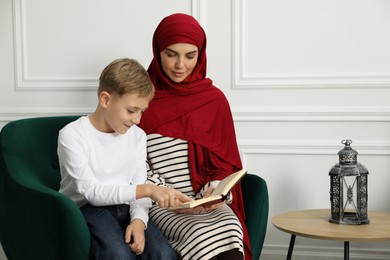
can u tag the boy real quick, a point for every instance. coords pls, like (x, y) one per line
(103, 168)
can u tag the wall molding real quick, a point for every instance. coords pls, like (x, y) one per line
(248, 146)
(241, 81)
(311, 114)
(8, 115)
(24, 81)
(304, 147)
(242, 114)
(313, 147)
(198, 10)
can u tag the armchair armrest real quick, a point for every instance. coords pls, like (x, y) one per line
(256, 203)
(37, 222)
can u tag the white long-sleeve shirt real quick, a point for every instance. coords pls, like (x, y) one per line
(103, 168)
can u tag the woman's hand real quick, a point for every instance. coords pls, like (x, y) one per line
(199, 209)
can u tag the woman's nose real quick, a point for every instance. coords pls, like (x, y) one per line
(179, 63)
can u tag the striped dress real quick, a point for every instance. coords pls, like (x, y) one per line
(199, 236)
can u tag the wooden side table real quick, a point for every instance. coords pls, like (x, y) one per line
(314, 223)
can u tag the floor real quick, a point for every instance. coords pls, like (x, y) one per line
(278, 257)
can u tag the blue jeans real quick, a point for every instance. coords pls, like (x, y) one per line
(107, 226)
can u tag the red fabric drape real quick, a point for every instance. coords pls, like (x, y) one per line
(196, 111)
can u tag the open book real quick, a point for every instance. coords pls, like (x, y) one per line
(219, 194)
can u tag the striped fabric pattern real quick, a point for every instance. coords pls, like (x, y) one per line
(192, 236)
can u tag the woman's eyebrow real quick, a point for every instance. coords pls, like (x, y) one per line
(194, 51)
(167, 49)
(191, 52)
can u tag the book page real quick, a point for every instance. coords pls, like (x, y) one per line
(219, 192)
(222, 184)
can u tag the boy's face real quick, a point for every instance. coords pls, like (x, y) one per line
(122, 112)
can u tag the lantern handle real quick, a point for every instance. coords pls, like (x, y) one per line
(347, 142)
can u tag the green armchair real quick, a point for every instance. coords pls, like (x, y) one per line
(38, 222)
(256, 204)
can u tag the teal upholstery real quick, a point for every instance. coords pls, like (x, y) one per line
(255, 192)
(38, 222)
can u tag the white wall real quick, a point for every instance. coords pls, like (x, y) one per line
(300, 75)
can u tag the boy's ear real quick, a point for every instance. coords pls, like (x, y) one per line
(104, 98)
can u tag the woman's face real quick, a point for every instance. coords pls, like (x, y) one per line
(178, 61)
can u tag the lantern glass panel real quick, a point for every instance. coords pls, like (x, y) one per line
(349, 194)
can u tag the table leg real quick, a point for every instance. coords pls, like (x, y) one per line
(291, 247)
(346, 250)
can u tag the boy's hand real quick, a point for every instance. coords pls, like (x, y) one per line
(165, 197)
(135, 236)
(168, 197)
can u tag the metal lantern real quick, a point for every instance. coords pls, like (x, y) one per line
(348, 188)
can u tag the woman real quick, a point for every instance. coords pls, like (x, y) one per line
(192, 144)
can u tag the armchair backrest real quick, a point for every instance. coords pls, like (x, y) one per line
(33, 142)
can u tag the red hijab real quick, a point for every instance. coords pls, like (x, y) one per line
(196, 111)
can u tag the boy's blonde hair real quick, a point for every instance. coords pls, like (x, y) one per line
(126, 76)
